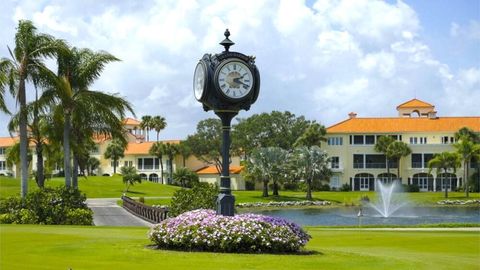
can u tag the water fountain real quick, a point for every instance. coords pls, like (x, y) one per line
(389, 199)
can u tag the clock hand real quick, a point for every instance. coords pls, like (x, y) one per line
(237, 80)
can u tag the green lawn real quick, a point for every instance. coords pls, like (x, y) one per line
(69, 247)
(112, 187)
(93, 187)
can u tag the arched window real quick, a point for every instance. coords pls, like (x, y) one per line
(143, 176)
(423, 180)
(153, 178)
(386, 177)
(364, 181)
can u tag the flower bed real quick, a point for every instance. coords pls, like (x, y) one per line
(204, 230)
(283, 204)
(458, 202)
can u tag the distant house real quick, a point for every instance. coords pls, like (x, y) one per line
(211, 175)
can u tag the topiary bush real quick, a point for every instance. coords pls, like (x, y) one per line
(47, 206)
(203, 230)
(201, 196)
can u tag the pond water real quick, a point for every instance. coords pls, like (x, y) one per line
(349, 216)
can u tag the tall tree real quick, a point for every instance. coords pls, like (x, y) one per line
(146, 125)
(115, 151)
(130, 177)
(184, 150)
(84, 112)
(445, 161)
(313, 135)
(383, 142)
(5, 70)
(158, 123)
(269, 162)
(311, 163)
(170, 151)
(92, 164)
(158, 150)
(467, 149)
(206, 143)
(396, 151)
(470, 135)
(31, 49)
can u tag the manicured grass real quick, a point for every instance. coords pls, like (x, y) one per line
(93, 187)
(342, 198)
(68, 247)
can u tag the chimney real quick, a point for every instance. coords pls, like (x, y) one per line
(432, 115)
(352, 115)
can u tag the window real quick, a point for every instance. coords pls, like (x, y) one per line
(364, 185)
(369, 139)
(448, 140)
(3, 150)
(335, 141)
(335, 162)
(148, 163)
(358, 139)
(358, 162)
(423, 183)
(112, 164)
(423, 140)
(426, 159)
(95, 150)
(421, 160)
(375, 161)
(3, 165)
(128, 163)
(335, 181)
(418, 140)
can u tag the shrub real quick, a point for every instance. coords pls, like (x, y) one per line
(44, 206)
(141, 199)
(201, 196)
(345, 187)
(290, 186)
(184, 177)
(203, 230)
(410, 188)
(79, 216)
(249, 185)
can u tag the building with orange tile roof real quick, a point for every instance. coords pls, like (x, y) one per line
(350, 144)
(210, 174)
(136, 154)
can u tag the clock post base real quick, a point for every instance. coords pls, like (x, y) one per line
(225, 205)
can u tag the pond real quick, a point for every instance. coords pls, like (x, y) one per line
(349, 216)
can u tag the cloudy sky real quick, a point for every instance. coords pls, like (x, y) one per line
(322, 59)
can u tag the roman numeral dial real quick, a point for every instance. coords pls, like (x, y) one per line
(234, 79)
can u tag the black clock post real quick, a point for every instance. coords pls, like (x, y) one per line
(226, 83)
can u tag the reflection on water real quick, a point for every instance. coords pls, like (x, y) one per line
(348, 216)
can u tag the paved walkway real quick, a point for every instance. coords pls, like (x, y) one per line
(106, 212)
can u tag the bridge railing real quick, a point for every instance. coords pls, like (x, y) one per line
(148, 213)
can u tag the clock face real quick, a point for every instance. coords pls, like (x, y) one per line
(199, 80)
(234, 79)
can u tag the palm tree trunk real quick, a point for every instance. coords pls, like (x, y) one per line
(157, 135)
(66, 151)
(398, 171)
(388, 170)
(309, 189)
(161, 169)
(40, 174)
(275, 188)
(265, 188)
(465, 179)
(23, 138)
(171, 170)
(75, 172)
(114, 166)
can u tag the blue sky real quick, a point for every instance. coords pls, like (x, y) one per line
(322, 59)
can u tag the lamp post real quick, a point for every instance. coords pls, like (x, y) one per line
(226, 83)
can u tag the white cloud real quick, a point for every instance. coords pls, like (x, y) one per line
(322, 61)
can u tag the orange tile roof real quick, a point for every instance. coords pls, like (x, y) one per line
(400, 124)
(213, 170)
(7, 141)
(415, 103)
(134, 148)
(131, 121)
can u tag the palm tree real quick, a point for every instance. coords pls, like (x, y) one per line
(170, 150)
(383, 142)
(311, 163)
(115, 150)
(470, 135)
(269, 162)
(185, 177)
(444, 162)
(396, 150)
(130, 176)
(31, 48)
(84, 112)
(146, 125)
(92, 164)
(158, 150)
(313, 135)
(184, 150)
(5, 66)
(467, 149)
(158, 123)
